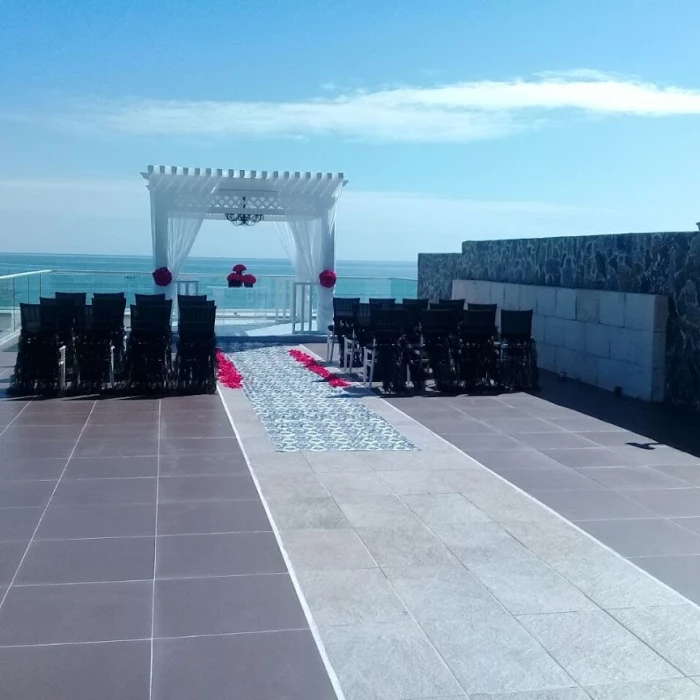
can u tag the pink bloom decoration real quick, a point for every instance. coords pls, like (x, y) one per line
(313, 365)
(162, 277)
(235, 277)
(327, 279)
(240, 268)
(249, 279)
(228, 374)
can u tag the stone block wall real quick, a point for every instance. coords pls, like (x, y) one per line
(662, 264)
(608, 339)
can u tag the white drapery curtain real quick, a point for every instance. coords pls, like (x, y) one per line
(309, 240)
(177, 214)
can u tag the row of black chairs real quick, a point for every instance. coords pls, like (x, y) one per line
(66, 344)
(459, 348)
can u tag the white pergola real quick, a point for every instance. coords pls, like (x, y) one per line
(302, 205)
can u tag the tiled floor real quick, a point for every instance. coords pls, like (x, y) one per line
(137, 560)
(429, 576)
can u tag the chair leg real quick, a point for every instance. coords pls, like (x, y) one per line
(371, 367)
(330, 342)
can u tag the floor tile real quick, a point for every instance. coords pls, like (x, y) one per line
(78, 613)
(226, 605)
(292, 486)
(629, 478)
(322, 462)
(74, 561)
(201, 465)
(112, 431)
(78, 522)
(377, 511)
(689, 473)
(104, 491)
(487, 441)
(230, 667)
(523, 426)
(279, 463)
(19, 523)
(397, 460)
(553, 540)
(549, 479)
(348, 597)
(181, 556)
(512, 459)
(682, 573)
(207, 429)
(446, 592)
(604, 651)
(410, 546)
(206, 488)
(550, 441)
(530, 587)
(111, 467)
(26, 469)
(692, 524)
(25, 493)
(307, 513)
(326, 549)
(673, 631)
(114, 671)
(11, 554)
(32, 448)
(198, 446)
(117, 447)
(206, 517)
(590, 457)
(634, 538)
(480, 542)
(560, 694)
(492, 653)
(617, 438)
(355, 485)
(414, 482)
(676, 689)
(443, 509)
(603, 504)
(670, 503)
(612, 582)
(392, 661)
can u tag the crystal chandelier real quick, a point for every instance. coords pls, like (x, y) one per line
(244, 219)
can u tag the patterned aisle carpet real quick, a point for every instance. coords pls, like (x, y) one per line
(301, 412)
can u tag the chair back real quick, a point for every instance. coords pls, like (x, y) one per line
(106, 296)
(383, 303)
(416, 303)
(30, 315)
(482, 307)
(108, 314)
(77, 298)
(343, 306)
(439, 322)
(361, 315)
(190, 299)
(479, 323)
(516, 325)
(149, 298)
(151, 318)
(197, 321)
(448, 304)
(387, 322)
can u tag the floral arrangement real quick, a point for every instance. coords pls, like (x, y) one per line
(313, 365)
(327, 279)
(228, 373)
(238, 277)
(162, 277)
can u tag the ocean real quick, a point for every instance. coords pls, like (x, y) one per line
(132, 274)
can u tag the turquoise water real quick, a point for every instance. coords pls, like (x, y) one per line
(132, 274)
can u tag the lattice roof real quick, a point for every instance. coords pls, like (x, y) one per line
(273, 194)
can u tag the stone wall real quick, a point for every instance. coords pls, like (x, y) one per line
(666, 264)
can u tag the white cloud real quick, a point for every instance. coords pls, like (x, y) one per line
(457, 112)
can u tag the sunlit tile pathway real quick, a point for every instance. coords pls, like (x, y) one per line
(429, 576)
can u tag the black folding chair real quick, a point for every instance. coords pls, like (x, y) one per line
(190, 300)
(341, 327)
(40, 367)
(440, 343)
(382, 303)
(148, 347)
(195, 363)
(478, 351)
(149, 298)
(482, 307)
(518, 351)
(448, 305)
(108, 296)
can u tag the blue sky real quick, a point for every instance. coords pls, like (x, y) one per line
(453, 119)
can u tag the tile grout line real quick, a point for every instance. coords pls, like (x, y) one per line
(332, 676)
(155, 551)
(21, 410)
(46, 508)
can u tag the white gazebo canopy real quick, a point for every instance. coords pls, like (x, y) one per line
(303, 207)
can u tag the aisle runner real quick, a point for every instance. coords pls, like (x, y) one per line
(300, 412)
